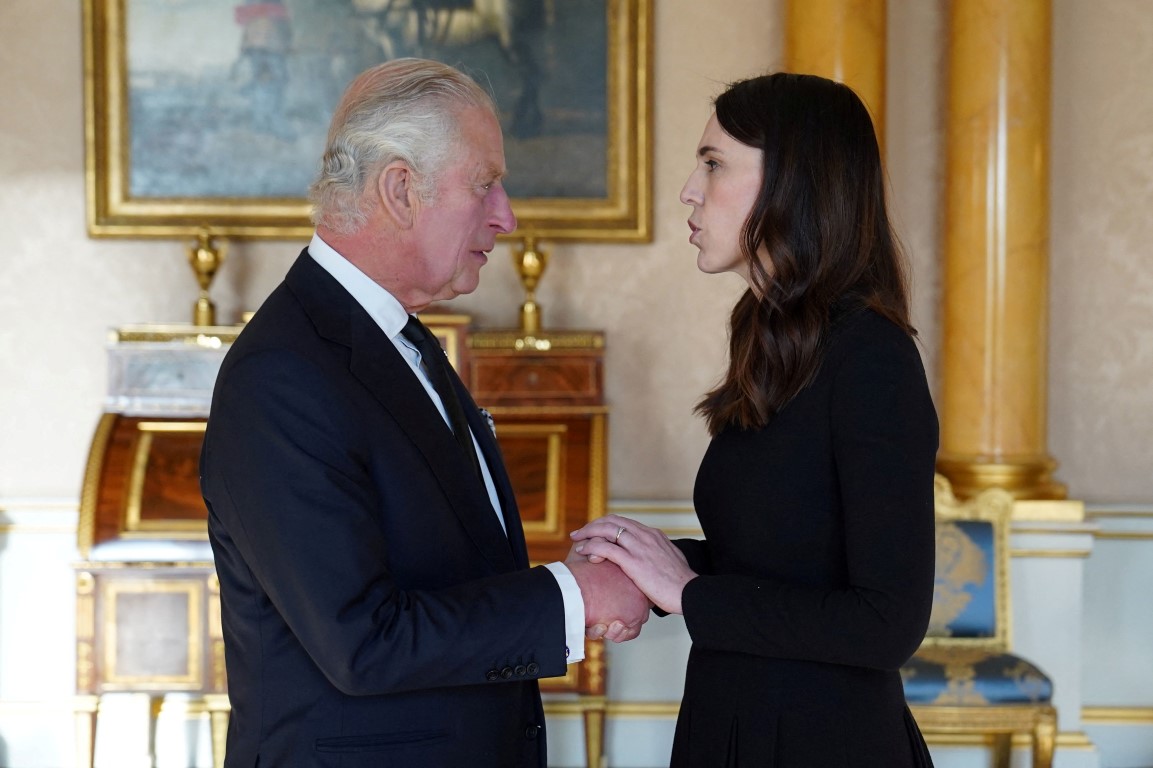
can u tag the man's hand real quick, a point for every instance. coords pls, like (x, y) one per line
(614, 608)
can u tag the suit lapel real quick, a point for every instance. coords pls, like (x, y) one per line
(375, 361)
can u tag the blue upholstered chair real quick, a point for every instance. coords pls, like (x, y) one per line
(964, 679)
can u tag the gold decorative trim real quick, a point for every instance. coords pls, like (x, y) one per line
(1117, 715)
(540, 341)
(218, 671)
(208, 336)
(192, 709)
(598, 467)
(1029, 477)
(134, 527)
(190, 427)
(623, 214)
(1074, 554)
(90, 490)
(85, 654)
(85, 617)
(1123, 535)
(554, 452)
(978, 719)
(629, 507)
(645, 709)
(85, 666)
(1066, 740)
(448, 329)
(595, 662)
(651, 710)
(135, 565)
(1138, 514)
(1049, 530)
(547, 410)
(167, 534)
(219, 665)
(1058, 511)
(193, 590)
(450, 341)
(1074, 740)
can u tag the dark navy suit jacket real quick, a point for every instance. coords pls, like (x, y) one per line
(374, 612)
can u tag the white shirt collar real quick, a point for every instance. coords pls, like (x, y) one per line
(381, 305)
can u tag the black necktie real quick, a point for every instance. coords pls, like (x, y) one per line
(436, 365)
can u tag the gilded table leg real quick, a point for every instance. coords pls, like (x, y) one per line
(1002, 749)
(155, 703)
(85, 708)
(218, 714)
(594, 720)
(1044, 736)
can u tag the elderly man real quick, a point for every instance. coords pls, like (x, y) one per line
(377, 601)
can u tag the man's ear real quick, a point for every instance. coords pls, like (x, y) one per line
(398, 197)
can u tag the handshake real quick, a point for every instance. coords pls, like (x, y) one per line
(623, 569)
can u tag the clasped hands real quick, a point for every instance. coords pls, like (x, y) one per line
(624, 568)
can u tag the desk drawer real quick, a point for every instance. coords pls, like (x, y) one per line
(574, 379)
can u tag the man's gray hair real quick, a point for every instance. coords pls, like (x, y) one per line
(404, 109)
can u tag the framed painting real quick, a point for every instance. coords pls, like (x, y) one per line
(211, 115)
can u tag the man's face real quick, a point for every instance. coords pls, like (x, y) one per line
(455, 230)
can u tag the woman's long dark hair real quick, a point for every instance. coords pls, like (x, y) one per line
(821, 215)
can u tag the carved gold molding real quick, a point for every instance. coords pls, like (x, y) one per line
(1117, 715)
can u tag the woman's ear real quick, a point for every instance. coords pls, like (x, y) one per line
(398, 196)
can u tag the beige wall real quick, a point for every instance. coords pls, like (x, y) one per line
(1101, 343)
(665, 322)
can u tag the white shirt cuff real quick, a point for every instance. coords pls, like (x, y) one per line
(574, 612)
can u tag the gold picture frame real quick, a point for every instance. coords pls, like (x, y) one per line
(159, 102)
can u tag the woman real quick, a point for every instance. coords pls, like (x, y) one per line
(814, 581)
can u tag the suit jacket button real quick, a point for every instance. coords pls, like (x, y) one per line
(506, 673)
(531, 731)
(533, 668)
(492, 675)
(520, 670)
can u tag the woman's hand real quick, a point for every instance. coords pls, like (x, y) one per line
(645, 554)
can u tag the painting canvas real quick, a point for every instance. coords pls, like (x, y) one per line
(213, 113)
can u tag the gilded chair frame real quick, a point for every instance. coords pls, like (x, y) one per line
(994, 506)
(997, 721)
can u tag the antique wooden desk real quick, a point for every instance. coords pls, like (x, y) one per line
(147, 598)
(148, 601)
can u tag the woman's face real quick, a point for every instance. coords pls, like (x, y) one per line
(722, 189)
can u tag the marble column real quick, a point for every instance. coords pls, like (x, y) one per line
(996, 221)
(843, 40)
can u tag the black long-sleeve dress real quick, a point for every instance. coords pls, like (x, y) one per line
(817, 568)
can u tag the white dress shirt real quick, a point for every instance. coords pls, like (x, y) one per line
(390, 315)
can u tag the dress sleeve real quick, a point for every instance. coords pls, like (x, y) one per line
(696, 551)
(884, 437)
